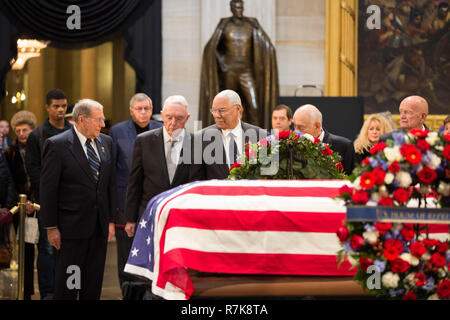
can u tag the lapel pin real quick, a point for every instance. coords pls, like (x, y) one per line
(103, 149)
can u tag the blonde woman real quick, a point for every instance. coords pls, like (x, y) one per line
(373, 128)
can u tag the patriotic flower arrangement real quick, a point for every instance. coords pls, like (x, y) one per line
(408, 170)
(287, 155)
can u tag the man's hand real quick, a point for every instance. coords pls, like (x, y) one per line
(112, 230)
(54, 237)
(130, 228)
(29, 207)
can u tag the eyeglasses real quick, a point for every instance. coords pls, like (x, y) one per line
(98, 120)
(220, 111)
(140, 109)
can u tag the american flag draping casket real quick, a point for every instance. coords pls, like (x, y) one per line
(238, 227)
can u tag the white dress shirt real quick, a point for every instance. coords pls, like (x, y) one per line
(83, 139)
(238, 135)
(177, 145)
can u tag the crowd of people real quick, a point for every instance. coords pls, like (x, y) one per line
(93, 186)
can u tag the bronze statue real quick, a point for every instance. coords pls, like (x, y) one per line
(240, 56)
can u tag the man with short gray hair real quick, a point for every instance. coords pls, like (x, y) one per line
(308, 119)
(78, 202)
(223, 141)
(123, 135)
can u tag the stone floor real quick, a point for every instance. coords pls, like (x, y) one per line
(110, 291)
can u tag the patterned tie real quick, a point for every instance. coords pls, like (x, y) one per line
(232, 150)
(171, 166)
(94, 162)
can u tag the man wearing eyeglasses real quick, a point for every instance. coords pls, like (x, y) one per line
(217, 147)
(78, 202)
(123, 135)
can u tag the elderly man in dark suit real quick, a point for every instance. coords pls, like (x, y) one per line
(413, 113)
(123, 135)
(78, 202)
(216, 147)
(161, 160)
(308, 119)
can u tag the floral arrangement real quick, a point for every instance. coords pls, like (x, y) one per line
(413, 170)
(287, 155)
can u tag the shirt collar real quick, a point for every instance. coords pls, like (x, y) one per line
(322, 135)
(236, 130)
(81, 137)
(168, 138)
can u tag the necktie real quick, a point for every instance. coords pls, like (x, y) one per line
(171, 165)
(94, 161)
(232, 150)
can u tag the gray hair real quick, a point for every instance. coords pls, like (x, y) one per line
(176, 99)
(140, 97)
(84, 107)
(314, 114)
(230, 95)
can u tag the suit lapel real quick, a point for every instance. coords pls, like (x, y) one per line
(101, 149)
(131, 132)
(79, 154)
(159, 149)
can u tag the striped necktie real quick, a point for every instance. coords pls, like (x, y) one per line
(94, 162)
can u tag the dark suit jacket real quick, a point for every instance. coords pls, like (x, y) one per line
(344, 147)
(149, 175)
(216, 167)
(123, 135)
(70, 197)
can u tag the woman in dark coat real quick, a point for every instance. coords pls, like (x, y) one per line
(23, 122)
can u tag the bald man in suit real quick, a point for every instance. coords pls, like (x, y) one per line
(308, 119)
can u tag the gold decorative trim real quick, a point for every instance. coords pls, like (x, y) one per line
(347, 62)
(348, 9)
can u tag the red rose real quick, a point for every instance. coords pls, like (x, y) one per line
(283, 135)
(385, 201)
(431, 242)
(447, 137)
(442, 247)
(390, 253)
(411, 153)
(437, 260)
(399, 265)
(345, 189)
(365, 263)
(446, 152)
(342, 233)
(382, 227)
(443, 289)
(409, 296)
(394, 167)
(367, 180)
(420, 279)
(360, 197)
(379, 176)
(418, 249)
(237, 164)
(365, 161)
(427, 175)
(407, 233)
(378, 147)
(423, 145)
(316, 140)
(327, 151)
(356, 242)
(339, 166)
(419, 133)
(401, 195)
(397, 244)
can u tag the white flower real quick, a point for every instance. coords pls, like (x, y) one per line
(371, 236)
(404, 179)
(440, 148)
(383, 189)
(434, 162)
(389, 178)
(432, 138)
(390, 280)
(444, 189)
(433, 297)
(393, 154)
(410, 259)
(441, 272)
(375, 196)
(409, 279)
(357, 183)
(309, 137)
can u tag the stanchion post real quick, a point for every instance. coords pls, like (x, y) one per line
(22, 212)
